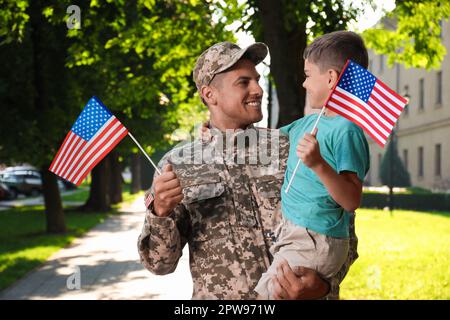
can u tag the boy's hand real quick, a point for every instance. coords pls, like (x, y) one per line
(308, 150)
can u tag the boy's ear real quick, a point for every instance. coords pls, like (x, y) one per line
(333, 77)
(208, 94)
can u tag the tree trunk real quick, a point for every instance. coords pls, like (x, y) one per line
(115, 192)
(41, 83)
(52, 199)
(286, 66)
(135, 173)
(99, 199)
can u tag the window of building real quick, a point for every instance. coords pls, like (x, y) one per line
(421, 94)
(408, 97)
(420, 162)
(437, 160)
(439, 87)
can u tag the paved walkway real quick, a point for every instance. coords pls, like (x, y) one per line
(23, 201)
(108, 265)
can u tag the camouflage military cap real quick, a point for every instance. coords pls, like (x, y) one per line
(222, 56)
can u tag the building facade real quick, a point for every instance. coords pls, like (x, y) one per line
(423, 130)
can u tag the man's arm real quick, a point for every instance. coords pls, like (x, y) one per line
(166, 226)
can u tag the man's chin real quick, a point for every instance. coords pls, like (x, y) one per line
(257, 118)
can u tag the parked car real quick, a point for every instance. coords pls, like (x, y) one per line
(24, 180)
(6, 193)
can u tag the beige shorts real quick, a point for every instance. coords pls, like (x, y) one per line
(303, 247)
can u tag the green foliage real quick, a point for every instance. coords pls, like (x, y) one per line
(412, 34)
(312, 18)
(400, 176)
(136, 56)
(408, 200)
(403, 256)
(13, 19)
(145, 52)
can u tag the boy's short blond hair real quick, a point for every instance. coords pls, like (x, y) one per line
(331, 50)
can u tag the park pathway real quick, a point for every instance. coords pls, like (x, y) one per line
(105, 264)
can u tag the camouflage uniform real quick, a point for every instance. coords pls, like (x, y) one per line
(230, 209)
(228, 218)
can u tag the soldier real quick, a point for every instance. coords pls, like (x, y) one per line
(216, 195)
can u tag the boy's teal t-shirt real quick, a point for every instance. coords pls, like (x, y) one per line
(344, 147)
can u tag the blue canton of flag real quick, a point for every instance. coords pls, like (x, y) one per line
(358, 81)
(91, 119)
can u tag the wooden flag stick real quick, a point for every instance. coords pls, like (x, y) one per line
(299, 160)
(145, 153)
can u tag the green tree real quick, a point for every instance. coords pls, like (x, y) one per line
(286, 27)
(411, 33)
(144, 51)
(38, 95)
(400, 176)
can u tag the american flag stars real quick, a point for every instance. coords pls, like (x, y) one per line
(92, 118)
(358, 81)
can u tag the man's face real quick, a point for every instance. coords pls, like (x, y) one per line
(318, 85)
(237, 96)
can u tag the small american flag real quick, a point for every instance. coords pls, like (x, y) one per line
(363, 99)
(95, 133)
(148, 198)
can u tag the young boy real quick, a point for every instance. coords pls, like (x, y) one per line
(334, 161)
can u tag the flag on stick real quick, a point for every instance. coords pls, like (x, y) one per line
(363, 99)
(95, 133)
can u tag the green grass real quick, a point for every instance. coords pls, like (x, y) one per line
(81, 194)
(403, 256)
(24, 245)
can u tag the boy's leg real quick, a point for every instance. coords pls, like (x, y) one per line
(296, 246)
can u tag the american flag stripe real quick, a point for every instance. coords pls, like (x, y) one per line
(355, 102)
(377, 112)
(102, 150)
(355, 118)
(66, 157)
(385, 101)
(66, 153)
(377, 108)
(84, 146)
(92, 145)
(362, 114)
(77, 144)
(398, 99)
(148, 198)
(60, 153)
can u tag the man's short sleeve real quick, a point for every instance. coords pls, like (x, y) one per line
(352, 153)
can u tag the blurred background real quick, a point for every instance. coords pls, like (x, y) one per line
(137, 57)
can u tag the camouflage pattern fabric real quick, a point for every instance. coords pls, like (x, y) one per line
(222, 56)
(227, 218)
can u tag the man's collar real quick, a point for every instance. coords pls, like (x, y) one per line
(207, 131)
